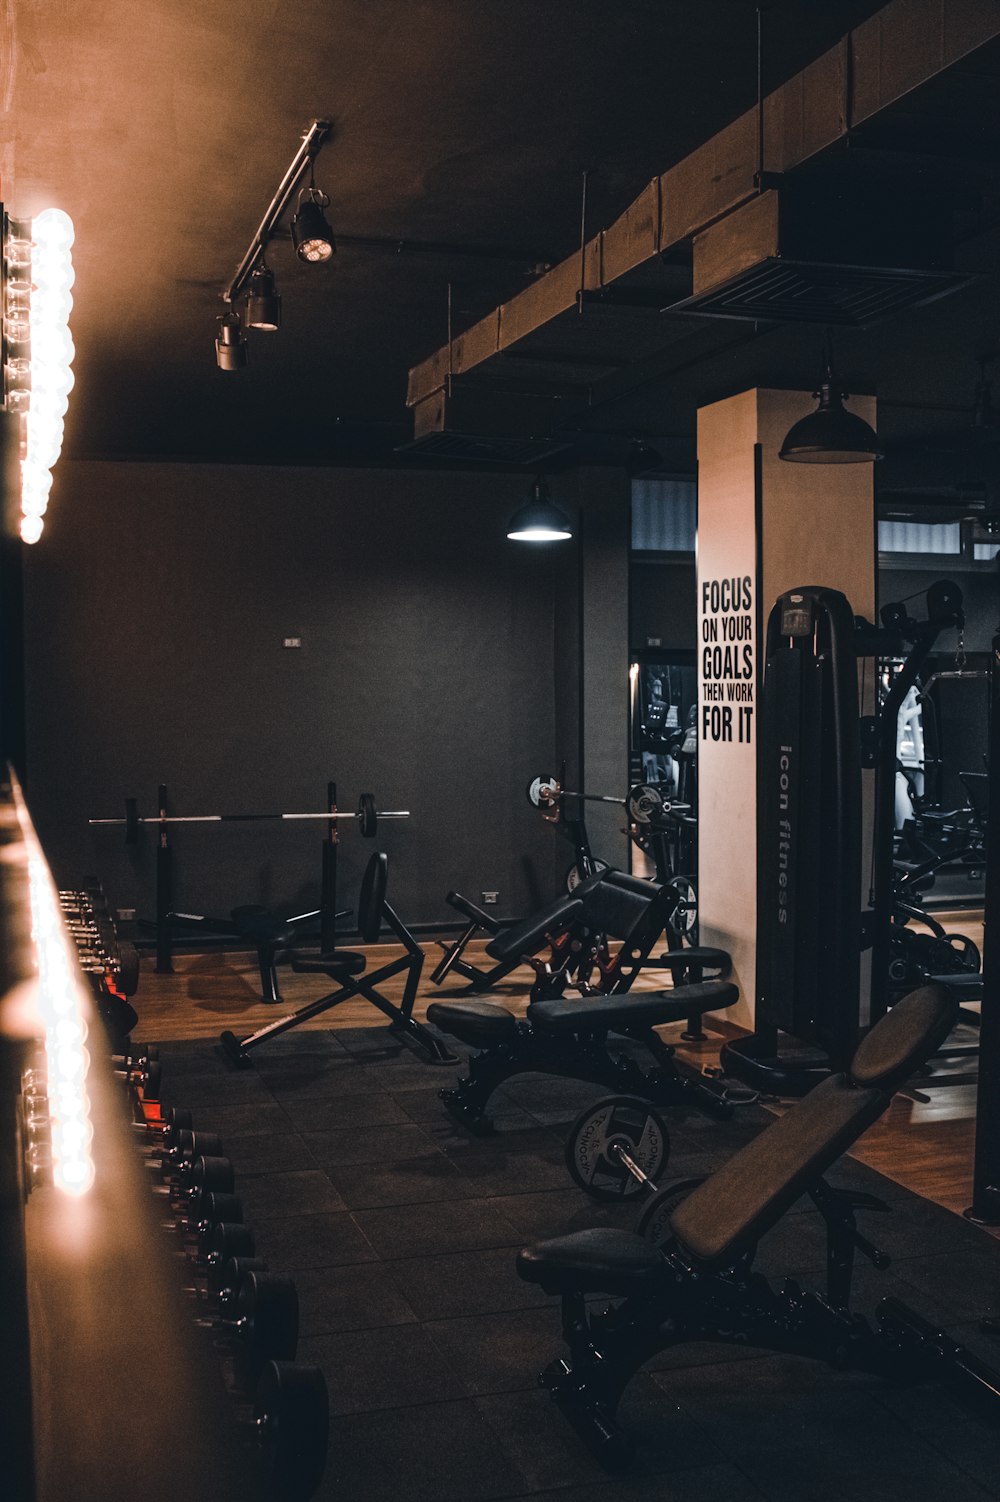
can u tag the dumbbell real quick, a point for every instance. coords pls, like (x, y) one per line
(142, 1069)
(266, 1325)
(203, 1174)
(616, 1150)
(188, 1145)
(225, 1279)
(291, 1419)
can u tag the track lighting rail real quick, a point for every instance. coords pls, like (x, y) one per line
(312, 141)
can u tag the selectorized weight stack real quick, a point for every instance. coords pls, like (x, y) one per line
(814, 744)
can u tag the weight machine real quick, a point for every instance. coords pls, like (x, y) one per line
(815, 743)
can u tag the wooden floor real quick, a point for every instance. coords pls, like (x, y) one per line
(925, 1141)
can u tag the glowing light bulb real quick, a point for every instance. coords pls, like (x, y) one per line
(31, 528)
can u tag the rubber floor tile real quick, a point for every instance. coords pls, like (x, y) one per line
(371, 1108)
(306, 1192)
(378, 1369)
(463, 1283)
(298, 1242)
(359, 1297)
(374, 1144)
(495, 1353)
(421, 1230)
(411, 1181)
(439, 1452)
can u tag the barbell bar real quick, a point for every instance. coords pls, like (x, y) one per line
(367, 816)
(644, 802)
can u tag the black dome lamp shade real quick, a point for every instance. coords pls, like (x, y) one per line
(539, 519)
(831, 434)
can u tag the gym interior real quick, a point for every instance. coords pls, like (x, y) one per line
(500, 714)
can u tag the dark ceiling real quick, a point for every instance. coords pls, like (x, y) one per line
(164, 128)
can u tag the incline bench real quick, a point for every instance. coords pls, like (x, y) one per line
(699, 1284)
(569, 1036)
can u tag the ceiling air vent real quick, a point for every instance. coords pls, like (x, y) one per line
(819, 259)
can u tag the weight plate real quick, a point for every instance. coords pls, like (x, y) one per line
(267, 1323)
(654, 1217)
(212, 1174)
(645, 804)
(292, 1420)
(534, 791)
(684, 918)
(573, 877)
(367, 815)
(228, 1240)
(151, 1080)
(617, 1121)
(128, 968)
(225, 1280)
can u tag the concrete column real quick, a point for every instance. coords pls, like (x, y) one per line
(764, 526)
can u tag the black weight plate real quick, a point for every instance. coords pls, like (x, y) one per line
(654, 1217)
(227, 1241)
(225, 1279)
(644, 803)
(178, 1120)
(292, 1418)
(267, 1324)
(573, 877)
(367, 815)
(151, 1080)
(616, 1120)
(371, 902)
(211, 1173)
(684, 918)
(128, 968)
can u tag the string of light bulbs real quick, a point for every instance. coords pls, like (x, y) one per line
(38, 301)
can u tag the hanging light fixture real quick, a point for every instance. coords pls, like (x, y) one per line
(263, 305)
(230, 343)
(831, 434)
(539, 519)
(311, 232)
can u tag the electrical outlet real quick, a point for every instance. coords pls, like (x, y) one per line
(291, 641)
(126, 915)
(489, 898)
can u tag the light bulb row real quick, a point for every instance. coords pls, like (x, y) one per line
(40, 348)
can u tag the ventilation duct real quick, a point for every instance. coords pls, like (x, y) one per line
(827, 253)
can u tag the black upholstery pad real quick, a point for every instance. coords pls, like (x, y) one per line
(728, 1214)
(707, 959)
(914, 1029)
(341, 962)
(600, 1260)
(648, 1009)
(476, 1022)
(259, 926)
(526, 937)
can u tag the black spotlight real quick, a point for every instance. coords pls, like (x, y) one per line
(539, 519)
(831, 434)
(263, 308)
(311, 233)
(230, 343)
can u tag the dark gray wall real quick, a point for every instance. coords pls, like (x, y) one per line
(155, 612)
(662, 604)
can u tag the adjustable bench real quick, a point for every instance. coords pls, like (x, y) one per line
(508, 946)
(570, 1038)
(696, 1282)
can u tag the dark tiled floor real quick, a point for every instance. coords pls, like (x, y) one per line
(401, 1231)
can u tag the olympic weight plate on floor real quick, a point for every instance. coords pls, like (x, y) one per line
(684, 918)
(654, 1217)
(617, 1121)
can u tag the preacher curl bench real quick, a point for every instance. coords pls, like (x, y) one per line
(568, 1037)
(699, 1284)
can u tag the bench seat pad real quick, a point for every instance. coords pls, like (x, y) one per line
(258, 925)
(526, 937)
(600, 1260)
(705, 959)
(478, 1023)
(725, 1217)
(649, 1009)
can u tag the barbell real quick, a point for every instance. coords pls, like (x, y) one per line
(645, 803)
(367, 816)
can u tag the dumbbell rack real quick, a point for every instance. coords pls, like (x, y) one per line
(250, 1316)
